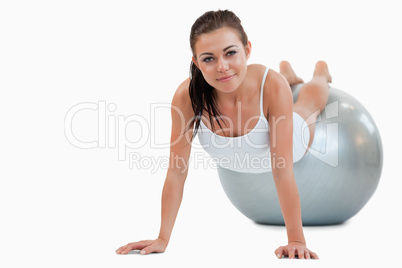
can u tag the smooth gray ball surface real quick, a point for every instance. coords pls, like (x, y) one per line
(336, 177)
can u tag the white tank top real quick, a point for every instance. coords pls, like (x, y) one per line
(248, 153)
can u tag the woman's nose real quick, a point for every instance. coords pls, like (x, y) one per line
(222, 65)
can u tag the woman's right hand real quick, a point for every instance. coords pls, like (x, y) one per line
(146, 247)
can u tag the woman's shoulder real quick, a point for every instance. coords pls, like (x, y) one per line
(258, 71)
(182, 92)
(274, 80)
(181, 98)
(276, 88)
(276, 83)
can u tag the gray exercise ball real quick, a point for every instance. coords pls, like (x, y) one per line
(335, 178)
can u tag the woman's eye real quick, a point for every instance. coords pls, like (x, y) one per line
(231, 53)
(209, 59)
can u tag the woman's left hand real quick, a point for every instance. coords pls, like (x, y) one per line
(293, 249)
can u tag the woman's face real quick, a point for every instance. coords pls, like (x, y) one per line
(222, 59)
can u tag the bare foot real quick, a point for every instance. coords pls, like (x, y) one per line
(287, 71)
(321, 69)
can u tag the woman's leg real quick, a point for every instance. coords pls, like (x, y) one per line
(313, 95)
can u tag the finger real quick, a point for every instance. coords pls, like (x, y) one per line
(300, 253)
(126, 250)
(133, 246)
(307, 254)
(314, 255)
(148, 250)
(279, 252)
(120, 249)
(291, 253)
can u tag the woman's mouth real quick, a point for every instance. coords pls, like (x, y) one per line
(226, 78)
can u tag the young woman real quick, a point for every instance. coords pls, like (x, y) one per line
(226, 98)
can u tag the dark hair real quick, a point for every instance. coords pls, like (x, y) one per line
(202, 94)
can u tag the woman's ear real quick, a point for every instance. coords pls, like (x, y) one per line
(195, 62)
(247, 48)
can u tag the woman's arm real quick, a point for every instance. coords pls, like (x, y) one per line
(281, 142)
(180, 148)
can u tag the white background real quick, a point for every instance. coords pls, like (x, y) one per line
(63, 206)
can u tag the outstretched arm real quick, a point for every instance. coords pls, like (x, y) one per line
(281, 142)
(180, 148)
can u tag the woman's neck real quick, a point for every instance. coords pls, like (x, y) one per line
(232, 99)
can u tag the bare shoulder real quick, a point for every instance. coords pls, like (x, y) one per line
(255, 73)
(276, 85)
(256, 66)
(181, 95)
(181, 99)
(256, 69)
(276, 88)
(273, 80)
